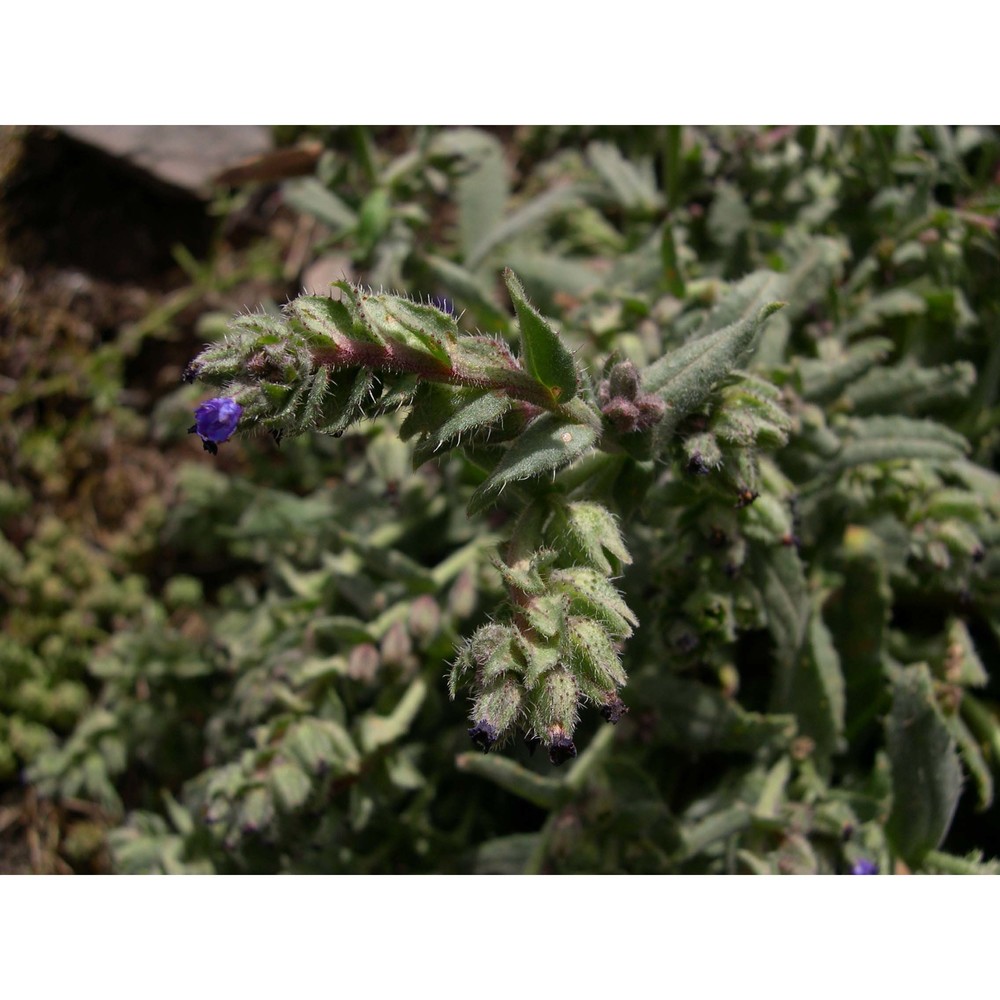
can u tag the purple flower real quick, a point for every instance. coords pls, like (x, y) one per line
(483, 735)
(561, 749)
(215, 422)
(864, 867)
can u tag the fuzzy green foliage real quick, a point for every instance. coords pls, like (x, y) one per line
(728, 459)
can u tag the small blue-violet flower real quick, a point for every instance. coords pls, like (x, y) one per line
(864, 867)
(215, 422)
(483, 735)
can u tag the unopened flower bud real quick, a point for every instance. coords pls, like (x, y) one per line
(396, 646)
(462, 598)
(363, 663)
(623, 380)
(425, 618)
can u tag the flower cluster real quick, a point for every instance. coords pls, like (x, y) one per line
(624, 404)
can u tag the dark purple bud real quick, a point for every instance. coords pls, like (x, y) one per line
(697, 466)
(561, 749)
(623, 380)
(651, 409)
(483, 735)
(215, 421)
(613, 709)
(190, 373)
(864, 867)
(622, 413)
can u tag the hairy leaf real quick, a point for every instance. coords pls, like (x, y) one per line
(926, 775)
(545, 357)
(684, 378)
(548, 444)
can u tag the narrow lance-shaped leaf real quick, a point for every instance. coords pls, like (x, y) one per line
(816, 694)
(531, 213)
(545, 357)
(884, 439)
(633, 187)
(907, 388)
(926, 775)
(310, 196)
(823, 379)
(780, 577)
(481, 189)
(684, 378)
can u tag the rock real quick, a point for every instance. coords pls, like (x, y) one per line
(188, 158)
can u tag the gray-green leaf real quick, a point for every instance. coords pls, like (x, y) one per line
(926, 775)
(548, 444)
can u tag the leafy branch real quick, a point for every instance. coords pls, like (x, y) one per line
(330, 362)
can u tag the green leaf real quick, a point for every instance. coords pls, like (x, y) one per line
(310, 196)
(290, 785)
(471, 289)
(375, 731)
(546, 793)
(506, 855)
(729, 215)
(594, 657)
(744, 300)
(909, 389)
(420, 327)
(591, 530)
(886, 439)
(974, 759)
(926, 774)
(685, 377)
(889, 305)
(548, 444)
(530, 214)
(551, 275)
(471, 410)
(779, 576)
(939, 863)
(336, 320)
(545, 357)
(593, 596)
(481, 189)
(321, 743)
(673, 278)
(818, 264)
(823, 379)
(696, 718)
(816, 694)
(634, 185)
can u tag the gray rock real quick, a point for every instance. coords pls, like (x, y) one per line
(185, 157)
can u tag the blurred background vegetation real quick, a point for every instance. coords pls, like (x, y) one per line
(236, 664)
